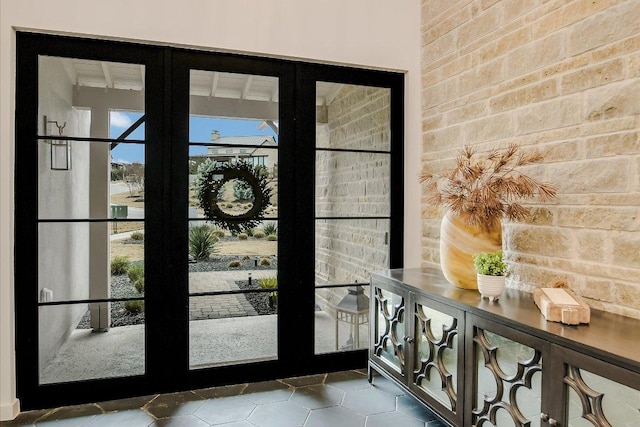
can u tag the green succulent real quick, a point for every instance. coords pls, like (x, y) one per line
(490, 263)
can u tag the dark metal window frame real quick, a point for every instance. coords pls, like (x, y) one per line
(166, 220)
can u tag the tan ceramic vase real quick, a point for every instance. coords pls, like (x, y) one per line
(459, 241)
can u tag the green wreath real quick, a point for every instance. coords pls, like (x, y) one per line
(211, 179)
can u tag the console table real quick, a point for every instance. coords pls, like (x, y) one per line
(477, 363)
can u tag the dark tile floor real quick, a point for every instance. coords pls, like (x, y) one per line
(341, 399)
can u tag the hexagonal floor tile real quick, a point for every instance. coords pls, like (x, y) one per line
(183, 421)
(225, 410)
(388, 386)
(239, 424)
(411, 407)
(336, 416)
(317, 396)
(267, 392)
(131, 417)
(279, 414)
(369, 402)
(392, 419)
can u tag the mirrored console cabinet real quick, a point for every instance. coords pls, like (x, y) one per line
(481, 363)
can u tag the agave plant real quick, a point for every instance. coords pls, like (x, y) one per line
(482, 191)
(202, 242)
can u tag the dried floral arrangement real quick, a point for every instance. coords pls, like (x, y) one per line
(482, 191)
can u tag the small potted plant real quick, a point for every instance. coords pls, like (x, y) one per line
(491, 271)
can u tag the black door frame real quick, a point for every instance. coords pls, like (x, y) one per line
(166, 109)
(307, 75)
(29, 47)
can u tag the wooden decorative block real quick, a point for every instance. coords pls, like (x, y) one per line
(561, 305)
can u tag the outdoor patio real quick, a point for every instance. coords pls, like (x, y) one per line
(223, 329)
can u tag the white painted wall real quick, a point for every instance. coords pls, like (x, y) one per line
(64, 194)
(370, 33)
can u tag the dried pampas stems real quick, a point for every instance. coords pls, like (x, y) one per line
(484, 190)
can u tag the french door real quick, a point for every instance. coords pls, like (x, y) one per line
(189, 219)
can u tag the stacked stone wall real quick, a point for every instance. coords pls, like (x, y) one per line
(563, 77)
(352, 184)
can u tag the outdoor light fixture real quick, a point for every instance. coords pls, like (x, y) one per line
(353, 310)
(60, 148)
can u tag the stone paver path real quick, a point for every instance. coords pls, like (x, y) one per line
(221, 306)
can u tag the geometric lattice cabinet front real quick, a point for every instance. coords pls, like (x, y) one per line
(476, 363)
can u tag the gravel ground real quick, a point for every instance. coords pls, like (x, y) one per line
(259, 300)
(221, 263)
(121, 287)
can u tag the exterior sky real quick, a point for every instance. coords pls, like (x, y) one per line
(199, 131)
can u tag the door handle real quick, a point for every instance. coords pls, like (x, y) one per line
(408, 339)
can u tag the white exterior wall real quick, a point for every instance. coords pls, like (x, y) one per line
(64, 194)
(370, 33)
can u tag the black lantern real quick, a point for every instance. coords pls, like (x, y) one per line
(60, 148)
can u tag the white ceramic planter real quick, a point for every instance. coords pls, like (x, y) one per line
(490, 287)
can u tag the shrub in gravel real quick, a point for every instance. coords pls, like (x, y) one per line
(265, 261)
(135, 272)
(272, 237)
(243, 236)
(136, 275)
(258, 234)
(218, 232)
(139, 285)
(119, 265)
(202, 242)
(134, 307)
(234, 264)
(137, 235)
(270, 283)
(270, 228)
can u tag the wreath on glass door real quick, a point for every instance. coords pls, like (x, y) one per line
(222, 188)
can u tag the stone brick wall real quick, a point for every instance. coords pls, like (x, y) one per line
(563, 77)
(352, 184)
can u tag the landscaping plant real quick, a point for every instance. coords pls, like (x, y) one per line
(119, 265)
(202, 242)
(134, 307)
(136, 275)
(265, 262)
(270, 283)
(270, 228)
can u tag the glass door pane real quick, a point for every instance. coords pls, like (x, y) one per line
(233, 218)
(352, 209)
(90, 256)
